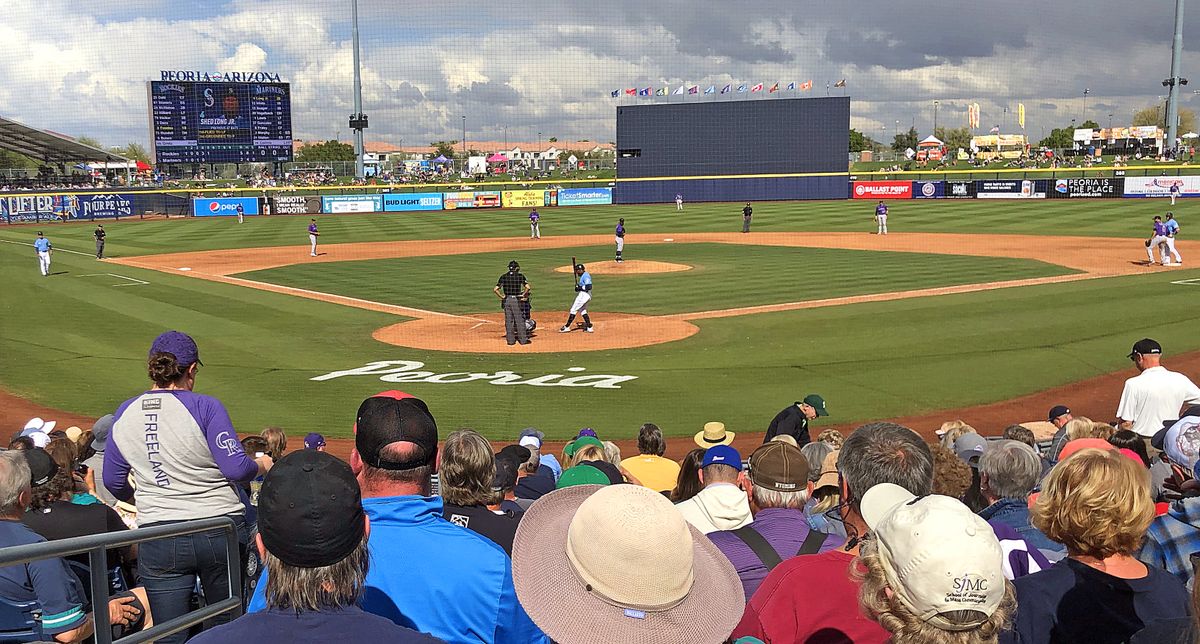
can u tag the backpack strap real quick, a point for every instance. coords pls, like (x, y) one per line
(812, 543)
(757, 543)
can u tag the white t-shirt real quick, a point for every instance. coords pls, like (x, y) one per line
(1153, 396)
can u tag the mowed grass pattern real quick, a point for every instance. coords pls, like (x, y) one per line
(724, 276)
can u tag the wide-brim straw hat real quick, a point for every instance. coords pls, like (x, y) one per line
(713, 434)
(617, 570)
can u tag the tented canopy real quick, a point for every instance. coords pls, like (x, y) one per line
(441, 158)
(497, 158)
(931, 140)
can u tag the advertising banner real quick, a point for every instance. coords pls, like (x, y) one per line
(959, 190)
(882, 190)
(400, 202)
(224, 206)
(106, 206)
(485, 199)
(585, 196)
(337, 204)
(19, 209)
(928, 189)
(1011, 189)
(1161, 186)
(1088, 188)
(295, 205)
(526, 198)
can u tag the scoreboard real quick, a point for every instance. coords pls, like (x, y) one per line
(203, 122)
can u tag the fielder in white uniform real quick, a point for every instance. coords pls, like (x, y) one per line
(44, 248)
(678, 201)
(1172, 227)
(583, 295)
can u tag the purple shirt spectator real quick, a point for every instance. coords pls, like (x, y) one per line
(783, 528)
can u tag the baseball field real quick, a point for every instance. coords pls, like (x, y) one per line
(962, 304)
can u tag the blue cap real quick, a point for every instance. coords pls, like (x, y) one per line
(314, 440)
(722, 455)
(178, 344)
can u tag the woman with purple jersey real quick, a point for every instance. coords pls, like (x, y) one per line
(183, 456)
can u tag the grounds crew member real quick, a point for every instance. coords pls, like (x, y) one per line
(511, 288)
(793, 420)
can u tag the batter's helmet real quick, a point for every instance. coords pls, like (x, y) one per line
(579, 267)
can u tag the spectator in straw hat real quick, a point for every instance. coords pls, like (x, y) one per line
(778, 489)
(312, 533)
(722, 504)
(931, 570)
(597, 564)
(713, 434)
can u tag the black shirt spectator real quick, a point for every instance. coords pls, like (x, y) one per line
(511, 283)
(63, 520)
(537, 485)
(792, 422)
(500, 527)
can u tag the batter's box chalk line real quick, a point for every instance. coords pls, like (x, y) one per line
(1191, 282)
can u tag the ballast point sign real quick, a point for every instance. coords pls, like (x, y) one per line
(413, 371)
(882, 190)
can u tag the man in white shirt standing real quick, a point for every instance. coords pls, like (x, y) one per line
(1155, 394)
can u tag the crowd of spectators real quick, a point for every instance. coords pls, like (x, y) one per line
(867, 536)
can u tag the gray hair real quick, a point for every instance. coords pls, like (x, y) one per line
(612, 453)
(1012, 469)
(815, 454)
(467, 469)
(14, 478)
(885, 453)
(337, 585)
(765, 498)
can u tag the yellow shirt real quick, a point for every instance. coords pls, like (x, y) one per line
(655, 472)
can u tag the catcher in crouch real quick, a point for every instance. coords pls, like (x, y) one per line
(583, 294)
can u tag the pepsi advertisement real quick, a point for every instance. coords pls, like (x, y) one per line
(402, 202)
(224, 206)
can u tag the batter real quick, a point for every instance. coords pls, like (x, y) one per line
(620, 240)
(583, 295)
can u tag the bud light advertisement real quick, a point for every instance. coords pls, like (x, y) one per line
(400, 202)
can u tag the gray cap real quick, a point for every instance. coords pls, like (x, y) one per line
(101, 430)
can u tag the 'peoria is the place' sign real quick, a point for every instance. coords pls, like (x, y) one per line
(411, 371)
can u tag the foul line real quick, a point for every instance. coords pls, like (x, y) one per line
(1191, 282)
(136, 282)
(57, 250)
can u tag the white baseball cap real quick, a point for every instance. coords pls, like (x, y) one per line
(37, 424)
(530, 441)
(1182, 442)
(937, 555)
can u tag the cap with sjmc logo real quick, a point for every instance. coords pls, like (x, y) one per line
(1145, 347)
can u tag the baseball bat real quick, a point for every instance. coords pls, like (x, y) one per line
(574, 277)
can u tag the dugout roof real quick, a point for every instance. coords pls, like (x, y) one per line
(47, 146)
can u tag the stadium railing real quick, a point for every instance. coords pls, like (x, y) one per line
(96, 545)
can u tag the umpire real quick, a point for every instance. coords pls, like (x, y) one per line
(511, 288)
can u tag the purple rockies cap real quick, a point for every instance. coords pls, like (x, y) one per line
(313, 441)
(178, 344)
(587, 431)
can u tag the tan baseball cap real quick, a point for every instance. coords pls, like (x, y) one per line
(780, 467)
(937, 555)
(829, 473)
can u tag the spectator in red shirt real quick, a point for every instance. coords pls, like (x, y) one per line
(812, 597)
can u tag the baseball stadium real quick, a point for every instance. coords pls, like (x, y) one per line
(690, 248)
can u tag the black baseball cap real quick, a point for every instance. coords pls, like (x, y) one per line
(310, 510)
(1145, 347)
(395, 417)
(1056, 411)
(611, 471)
(518, 453)
(42, 467)
(506, 472)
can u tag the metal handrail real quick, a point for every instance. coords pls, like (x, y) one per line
(96, 546)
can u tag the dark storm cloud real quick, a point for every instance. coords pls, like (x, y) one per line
(491, 93)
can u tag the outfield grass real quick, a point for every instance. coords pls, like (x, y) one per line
(77, 342)
(724, 276)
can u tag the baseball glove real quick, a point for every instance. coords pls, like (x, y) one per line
(1148, 242)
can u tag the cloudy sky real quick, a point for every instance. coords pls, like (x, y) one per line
(535, 66)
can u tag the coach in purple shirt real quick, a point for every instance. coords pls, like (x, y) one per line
(779, 488)
(181, 451)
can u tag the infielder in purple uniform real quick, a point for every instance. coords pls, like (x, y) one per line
(312, 236)
(881, 218)
(1158, 240)
(535, 231)
(620, 238)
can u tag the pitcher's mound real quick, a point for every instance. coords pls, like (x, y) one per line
(484, 333)
(630, 267)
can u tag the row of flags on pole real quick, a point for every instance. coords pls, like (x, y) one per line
(743, 88)
(973, 117)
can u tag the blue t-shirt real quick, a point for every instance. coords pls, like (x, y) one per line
(42, 244)
(585, 281)
(1172, 226)
(48, 581)
(349, 624)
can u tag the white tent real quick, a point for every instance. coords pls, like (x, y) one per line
(932, 139)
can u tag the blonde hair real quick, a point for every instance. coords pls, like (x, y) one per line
(905, 627)
(786, 438)
(833, 437)
(276, 442)
(1083, 427)
(586, 453)
(951, 430)
(826, 498)
(1096, 503)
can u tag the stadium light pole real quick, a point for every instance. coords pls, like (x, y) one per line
(357, 121)
(1175, 81)
(1086, 91)
(935, 108)
(464, 144)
